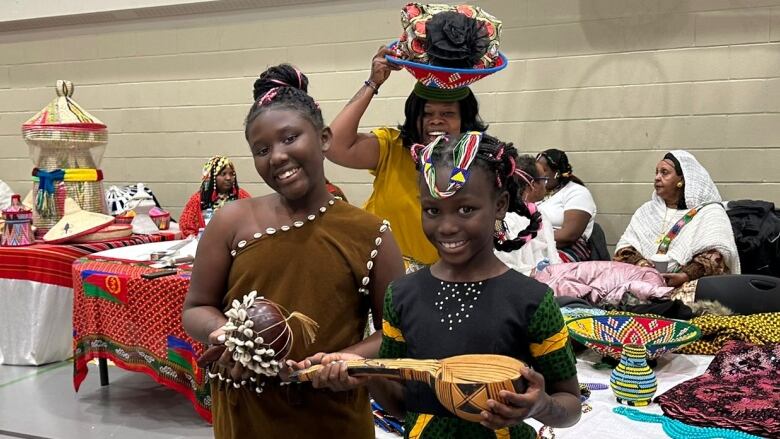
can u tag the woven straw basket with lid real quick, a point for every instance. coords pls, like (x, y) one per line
(66, 145)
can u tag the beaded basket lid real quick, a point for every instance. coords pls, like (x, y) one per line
(17, 210)
(446, 77)
(64, 119)
(606, 334)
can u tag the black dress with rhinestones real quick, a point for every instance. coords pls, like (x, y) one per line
(510, 315)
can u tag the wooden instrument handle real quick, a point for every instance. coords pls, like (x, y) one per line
(394, 369)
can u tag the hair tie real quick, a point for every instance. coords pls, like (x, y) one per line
(531, 207)
(268, 96)
(414, 151)
(282, 83)
(500, 152)
(523, 175)
(300, 80)
(513, 168)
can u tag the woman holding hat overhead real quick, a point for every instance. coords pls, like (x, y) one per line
(218, 186)
(435, 107)
(568, 204)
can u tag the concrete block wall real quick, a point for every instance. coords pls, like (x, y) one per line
(614, 82)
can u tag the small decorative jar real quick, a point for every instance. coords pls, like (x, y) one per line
(18, 224)
(161, 218)
(125, 217)
(632, 381)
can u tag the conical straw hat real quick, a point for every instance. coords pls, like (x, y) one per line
(64, 119)
(75, 223)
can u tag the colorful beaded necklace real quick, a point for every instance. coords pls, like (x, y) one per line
(675, 230)
(678, 430)
(463, 154)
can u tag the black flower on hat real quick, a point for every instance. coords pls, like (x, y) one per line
(455, 40)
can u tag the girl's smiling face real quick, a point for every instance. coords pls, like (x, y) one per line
(462, 226)
(288, 151)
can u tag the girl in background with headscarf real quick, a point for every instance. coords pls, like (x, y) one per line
(685, 221)
(568, 205)
(218, 187)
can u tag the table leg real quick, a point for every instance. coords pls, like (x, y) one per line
(103, 369)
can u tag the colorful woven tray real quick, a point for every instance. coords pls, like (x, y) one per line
(446, 77)
(607, 334)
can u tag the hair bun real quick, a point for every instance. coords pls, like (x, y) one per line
(283, 75)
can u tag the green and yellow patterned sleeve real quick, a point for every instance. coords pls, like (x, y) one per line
(550, 345)
(393, 342)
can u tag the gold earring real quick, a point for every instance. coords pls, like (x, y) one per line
(679, 184)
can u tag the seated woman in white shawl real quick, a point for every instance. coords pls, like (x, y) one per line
(684, 220)
(541, 249)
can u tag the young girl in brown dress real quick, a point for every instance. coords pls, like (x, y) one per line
(302, 249)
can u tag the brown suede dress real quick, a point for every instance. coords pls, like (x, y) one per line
(320, 268)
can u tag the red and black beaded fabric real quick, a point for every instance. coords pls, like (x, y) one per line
(740, 390)
(510, 315)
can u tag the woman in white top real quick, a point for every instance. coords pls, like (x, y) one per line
(540, 251)
(568, 205)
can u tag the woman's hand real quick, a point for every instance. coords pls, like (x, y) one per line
(381, 67)
(292, 366)
(518, 406)
(645, 263)
(675, 279)
(215, 350)
(334, 375)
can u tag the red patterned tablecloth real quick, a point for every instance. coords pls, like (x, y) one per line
(136, 323)
(50, 264)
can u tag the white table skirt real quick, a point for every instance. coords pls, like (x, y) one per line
(37, 324)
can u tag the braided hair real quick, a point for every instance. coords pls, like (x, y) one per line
(500, 160)
(285, 87)
(209, 195)
(558, 161)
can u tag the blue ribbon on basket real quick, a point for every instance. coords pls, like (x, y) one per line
(46, 179)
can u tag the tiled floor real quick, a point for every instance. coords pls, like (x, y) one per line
(39, 402)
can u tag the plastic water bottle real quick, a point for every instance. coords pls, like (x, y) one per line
(207, 214)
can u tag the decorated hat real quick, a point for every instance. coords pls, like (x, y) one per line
(110, 232)
(447, 48)
(76, 222)
(64, 119)
(117, 198)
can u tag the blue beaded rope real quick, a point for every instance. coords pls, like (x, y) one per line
(678, 430)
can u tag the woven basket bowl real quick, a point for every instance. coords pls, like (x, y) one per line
(608, 333)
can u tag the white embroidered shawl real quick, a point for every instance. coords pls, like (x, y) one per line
(710, 229)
